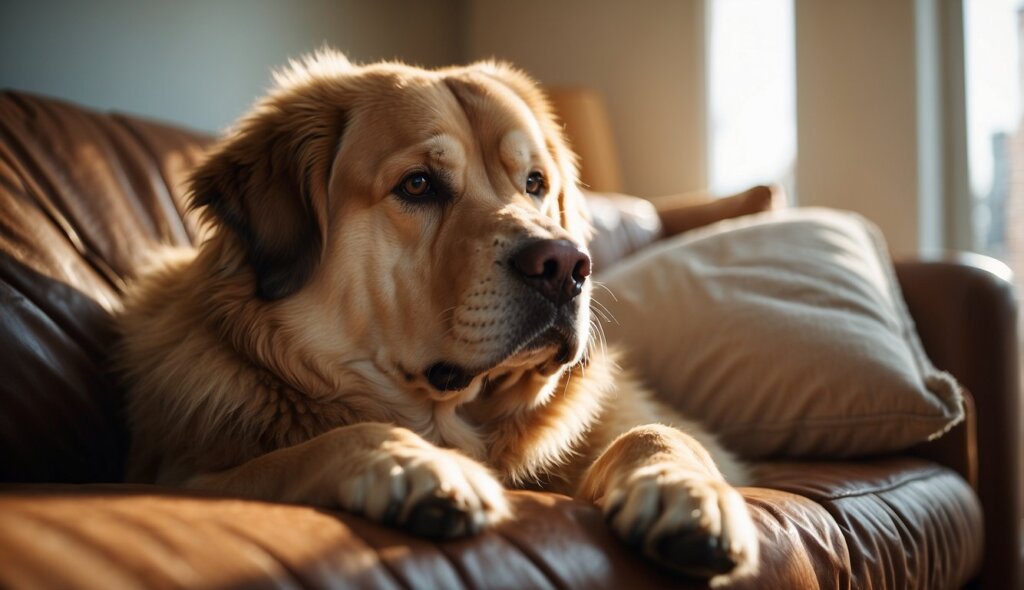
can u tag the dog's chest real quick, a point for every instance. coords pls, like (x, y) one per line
(284, 416)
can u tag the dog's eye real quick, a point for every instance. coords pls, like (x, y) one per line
(416, 184)
(535, 184)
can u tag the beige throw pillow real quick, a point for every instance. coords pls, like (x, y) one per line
(785, 333)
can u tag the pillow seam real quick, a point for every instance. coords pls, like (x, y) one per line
(824, 422)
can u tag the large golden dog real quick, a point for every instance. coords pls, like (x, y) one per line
(391, 314)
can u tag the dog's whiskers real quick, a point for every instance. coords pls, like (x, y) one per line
(600, 314)
(447, 316)
(605, 287)
(598, 340)
(600, 309)
(450, 312)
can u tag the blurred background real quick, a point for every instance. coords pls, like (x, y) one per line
(906, 111)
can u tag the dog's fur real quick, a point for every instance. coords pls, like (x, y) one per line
(294, 356)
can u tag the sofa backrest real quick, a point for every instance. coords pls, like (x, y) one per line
(83, 197)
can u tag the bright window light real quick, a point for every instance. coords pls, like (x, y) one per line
(993, 73)
(751, 94)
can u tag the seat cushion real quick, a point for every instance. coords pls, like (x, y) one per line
(881, 524)
(906, 523)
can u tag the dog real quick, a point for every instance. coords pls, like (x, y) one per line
(390, 314)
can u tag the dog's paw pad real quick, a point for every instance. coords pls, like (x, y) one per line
(440, 518)
(696, 553)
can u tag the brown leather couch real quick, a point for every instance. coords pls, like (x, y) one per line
(84, 195)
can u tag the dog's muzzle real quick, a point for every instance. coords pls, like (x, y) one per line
(555, 272)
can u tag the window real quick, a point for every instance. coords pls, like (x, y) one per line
(751, 94)
(994, 73)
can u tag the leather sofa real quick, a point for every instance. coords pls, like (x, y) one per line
(85, 195)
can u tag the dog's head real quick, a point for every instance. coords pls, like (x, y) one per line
(427, 222)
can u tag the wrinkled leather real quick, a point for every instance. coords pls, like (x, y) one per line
(907, 523)
(84, 196)
(883, 524)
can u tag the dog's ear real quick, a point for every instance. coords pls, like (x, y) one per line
(267, 181)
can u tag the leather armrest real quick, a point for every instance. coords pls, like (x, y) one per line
(966, 314)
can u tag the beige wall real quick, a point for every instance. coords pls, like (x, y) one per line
(858, 115)
(199, 62)
(870, 117)
(645, 57)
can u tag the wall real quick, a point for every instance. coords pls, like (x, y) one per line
(645, 57)
(872, 129)
(862, 138)
(862, 116)
(202, 63)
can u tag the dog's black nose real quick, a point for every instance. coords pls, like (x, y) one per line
(555, 268)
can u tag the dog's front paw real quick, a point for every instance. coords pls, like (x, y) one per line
(429, 491)
(689, 522)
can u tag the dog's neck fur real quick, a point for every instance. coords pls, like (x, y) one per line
(533, 425)
(524, 425)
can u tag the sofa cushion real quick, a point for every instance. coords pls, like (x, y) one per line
(884, 524)
(785, 333)
(906, 523)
